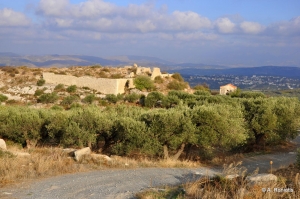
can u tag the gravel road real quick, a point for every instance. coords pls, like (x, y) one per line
(119, 184)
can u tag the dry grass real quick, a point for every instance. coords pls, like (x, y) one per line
(40, 163)
(45, 162)
(220, 187)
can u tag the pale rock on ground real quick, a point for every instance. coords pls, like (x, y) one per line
(100, 156)
(79, 153)
(2, 145)
(20, 154)
(261, 178)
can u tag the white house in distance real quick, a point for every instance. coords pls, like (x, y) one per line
(228, 88)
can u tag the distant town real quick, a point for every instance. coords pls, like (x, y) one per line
(253, 82)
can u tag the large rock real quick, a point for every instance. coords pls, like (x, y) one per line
(20, 154)
(261, 178)
(81, 152)
(101, 157)
(2, 145)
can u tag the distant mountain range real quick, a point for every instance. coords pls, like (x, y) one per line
(186, 69)
(12, 59)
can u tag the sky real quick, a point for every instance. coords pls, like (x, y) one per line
(234, 33)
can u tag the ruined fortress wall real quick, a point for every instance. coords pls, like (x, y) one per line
(103, 85)
(156, 72)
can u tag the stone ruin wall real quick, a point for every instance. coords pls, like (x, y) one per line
(103, 85)
(156, 72)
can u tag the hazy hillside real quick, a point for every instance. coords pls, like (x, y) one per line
(282, 71)
(12, 59)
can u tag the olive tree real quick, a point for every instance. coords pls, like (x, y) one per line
(172, 130)
(21, 124)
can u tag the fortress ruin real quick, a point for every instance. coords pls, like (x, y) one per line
(103, 85)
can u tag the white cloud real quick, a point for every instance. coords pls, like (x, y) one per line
(195, 36)
(251, 27)
(189, 20)
(93, 8)
(98, 15)
(9, 17)
(53, 7)
(291, 28)
(224, 25)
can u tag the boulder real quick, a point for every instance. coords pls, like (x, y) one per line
(101, 157)
(232, 176)
(21, 154)
(69, 151)
(81, 152)
(2, 145)
(261, 178)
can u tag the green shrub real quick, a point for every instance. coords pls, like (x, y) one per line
(133, 97)
(202, 87)
(175, 85)
(103, 103)
(178, 77)
(72, 89)
(111, 98)
(38, 92)
(202, 92)
(89, 99)
(69, 100)
(48, 98)
(75, 105)
(59, 87)
(56, 107)
(3, 98)
(153, 99)
(158, 80)
(40, 82)
(144, 83)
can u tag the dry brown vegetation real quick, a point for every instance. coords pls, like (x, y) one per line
(219, 187)
(45, 162)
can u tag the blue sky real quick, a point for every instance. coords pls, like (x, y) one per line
(225, 32)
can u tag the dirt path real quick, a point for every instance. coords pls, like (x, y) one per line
(114, 184)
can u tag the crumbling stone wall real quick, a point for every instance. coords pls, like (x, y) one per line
(103, 85)
(156, 72)
(142, 70)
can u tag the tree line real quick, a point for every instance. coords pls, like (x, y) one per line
(166, 126)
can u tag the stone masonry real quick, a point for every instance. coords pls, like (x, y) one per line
(103, 85)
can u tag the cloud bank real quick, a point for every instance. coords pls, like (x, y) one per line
(93, 22)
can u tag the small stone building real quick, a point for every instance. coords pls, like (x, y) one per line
(228, 88)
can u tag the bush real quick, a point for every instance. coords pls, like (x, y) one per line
(175, 85)
(202, 87)
(72, 89)
(56, 107)
(40, 82)
(69, 100)
(3, 98)
(132, 97)
(111, 98)
(158, 80)
(202, 92)
(59, 87)
(48, 98)
(143, 83)
(38, 92)
(154, 99)
(89, 99)
(178, 77)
